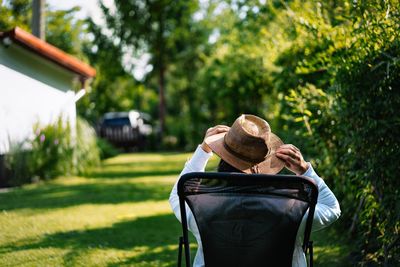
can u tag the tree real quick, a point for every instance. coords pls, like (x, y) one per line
(15, 13)
(65, 31)
(113, 89)
(154, 27)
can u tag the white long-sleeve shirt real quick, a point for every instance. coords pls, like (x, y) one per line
(327, 209)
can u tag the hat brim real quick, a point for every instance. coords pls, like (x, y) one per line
(270, 165)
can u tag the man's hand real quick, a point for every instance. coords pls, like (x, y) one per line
(293, 159)
(211, 131)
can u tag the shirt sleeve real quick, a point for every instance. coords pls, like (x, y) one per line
(327, 209)
(197, 163)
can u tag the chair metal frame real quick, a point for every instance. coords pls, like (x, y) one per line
(184, 240)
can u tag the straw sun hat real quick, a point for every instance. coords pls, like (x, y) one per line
(249, 146)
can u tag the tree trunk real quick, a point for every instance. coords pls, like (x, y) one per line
(161, 75)
(161, 105)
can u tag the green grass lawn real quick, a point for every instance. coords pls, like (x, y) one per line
(117, 216)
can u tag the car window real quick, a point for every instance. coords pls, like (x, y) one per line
(117, 122)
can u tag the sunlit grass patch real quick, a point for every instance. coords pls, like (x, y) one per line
(33, 257)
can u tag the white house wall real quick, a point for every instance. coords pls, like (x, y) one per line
(24, 61)
(25, 101)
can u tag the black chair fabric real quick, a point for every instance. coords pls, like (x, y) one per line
(246, 219)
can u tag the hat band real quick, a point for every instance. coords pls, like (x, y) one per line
(230, 150)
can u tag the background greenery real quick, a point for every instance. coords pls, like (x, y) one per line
(324, 74)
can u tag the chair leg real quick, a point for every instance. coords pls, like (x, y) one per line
(310, 247)
(180, 251)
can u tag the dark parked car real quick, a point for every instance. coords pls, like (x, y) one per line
(128, 130)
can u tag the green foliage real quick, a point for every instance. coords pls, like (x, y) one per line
(15, 13)
(340, 75)
(51, 150)
(56, 149)
(48, 154)
(113, 88)
(18, 162)
(369, 103)
(235, 74)
(86, 150)
(106, 149)
(160, 28)
(64, 31)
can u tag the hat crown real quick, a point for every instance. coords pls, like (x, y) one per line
(248, 138)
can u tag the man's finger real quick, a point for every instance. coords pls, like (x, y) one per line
(295, 147)
(220, 130)
(214, 130)
(290, 152)
(283, 157)
(287, 149)
(225, 128)
(220, 126)
(288, 159)
(290, 146)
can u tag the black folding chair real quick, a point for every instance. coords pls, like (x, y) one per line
(247, 219)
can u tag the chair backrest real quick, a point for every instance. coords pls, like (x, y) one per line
(247, 219)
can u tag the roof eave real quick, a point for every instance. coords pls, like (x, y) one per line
(50, 52)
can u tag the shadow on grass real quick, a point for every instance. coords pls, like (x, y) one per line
(59, 196)
(153, 238)
(114, 191)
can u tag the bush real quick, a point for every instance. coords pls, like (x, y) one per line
(54, 150)
(17, 165)
(86, 150)
(106, 149)
(51, 150)
(369, 105)
(342, 93)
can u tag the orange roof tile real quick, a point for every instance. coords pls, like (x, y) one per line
(50, 52)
